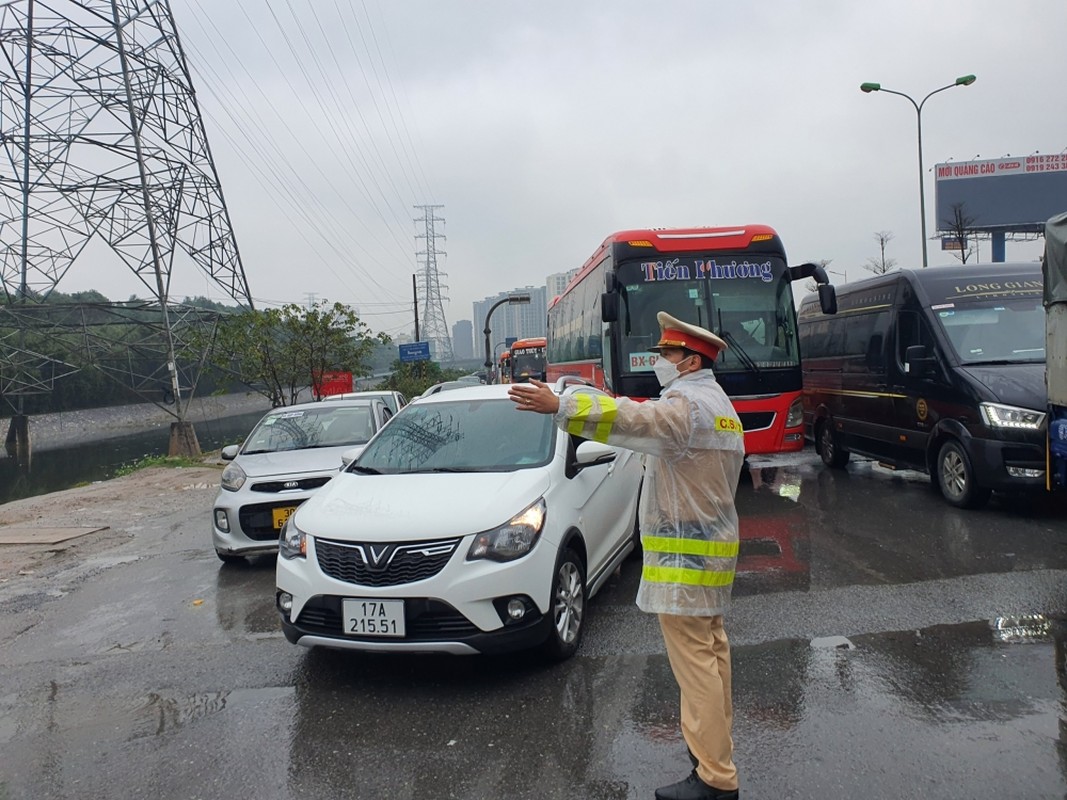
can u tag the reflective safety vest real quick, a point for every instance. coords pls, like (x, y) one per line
(688, 520)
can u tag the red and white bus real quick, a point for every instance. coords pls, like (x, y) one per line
(528, 359)
(733, 281)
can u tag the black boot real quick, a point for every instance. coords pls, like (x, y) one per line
(692, 788)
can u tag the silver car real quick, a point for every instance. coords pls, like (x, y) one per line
(290, 453)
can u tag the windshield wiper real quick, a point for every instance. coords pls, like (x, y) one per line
(446, 469)
(742, 356)
(363, 470)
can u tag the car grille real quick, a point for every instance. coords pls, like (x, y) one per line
(257, 521)
(423, 619)
(289, 486)
(756, 420)
(381, 564)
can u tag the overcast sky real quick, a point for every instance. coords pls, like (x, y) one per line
(541, 127)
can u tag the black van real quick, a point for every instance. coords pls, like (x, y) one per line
(939, 369)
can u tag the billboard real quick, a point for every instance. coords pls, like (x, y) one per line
(1008, 194)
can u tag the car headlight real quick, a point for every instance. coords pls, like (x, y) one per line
(293, 541)
(998, 416)
(513, 539)
(233, 478)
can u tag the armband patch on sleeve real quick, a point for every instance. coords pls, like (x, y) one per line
(728, 425)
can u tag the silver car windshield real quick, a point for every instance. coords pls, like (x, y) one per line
(298, 429)
(463, 436)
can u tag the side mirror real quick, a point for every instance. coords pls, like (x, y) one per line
(590, 454)
(917, 362)
(348, 456)
(827, 298)
(229, 452)
(609, 307)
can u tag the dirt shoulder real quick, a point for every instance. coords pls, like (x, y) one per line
(119, 506)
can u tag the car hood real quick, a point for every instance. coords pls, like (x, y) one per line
(289, 462)
(417, 507)
(1021, 385)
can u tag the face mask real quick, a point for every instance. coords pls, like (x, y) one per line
(665, 371)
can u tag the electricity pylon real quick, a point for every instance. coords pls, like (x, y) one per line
(434, 327)
(100, 127)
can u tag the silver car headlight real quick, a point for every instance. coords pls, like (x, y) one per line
(293, 541)
(999, 416)
(233, 477)
(514, 539)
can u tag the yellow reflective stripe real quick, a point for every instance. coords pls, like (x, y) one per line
(688, 577)
(608, 410)
(583, 406)
(690, 547)
(728, 425)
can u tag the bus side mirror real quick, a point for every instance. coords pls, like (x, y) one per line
(611, 282)
(827, 298)
(609, 307)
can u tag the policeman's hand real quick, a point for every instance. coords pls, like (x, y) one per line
(534, 396)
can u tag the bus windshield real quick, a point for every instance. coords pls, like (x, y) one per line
(758, 325)
(527, 363)
(994, 330)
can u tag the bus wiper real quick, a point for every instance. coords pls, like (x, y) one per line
(742, 356)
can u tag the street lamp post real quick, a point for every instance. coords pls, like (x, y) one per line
(965, 80)
(514, 299)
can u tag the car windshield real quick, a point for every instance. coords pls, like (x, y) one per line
(326, 425)
(995, 330)
(460, 436)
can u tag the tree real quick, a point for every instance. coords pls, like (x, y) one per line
(412, 378)
(881, 265)
(958, 226)
(277, 351)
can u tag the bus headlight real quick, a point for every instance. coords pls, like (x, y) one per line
(795, 416)
(1000, 416)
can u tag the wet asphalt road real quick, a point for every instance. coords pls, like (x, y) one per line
(154, 672)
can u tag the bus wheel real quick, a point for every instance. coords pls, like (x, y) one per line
(833, 455)
(955, 477)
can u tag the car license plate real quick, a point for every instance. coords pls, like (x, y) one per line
(281, 515)
(366, 617)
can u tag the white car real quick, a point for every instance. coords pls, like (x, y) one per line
(394, 401)
(292, 451)
(466, 526)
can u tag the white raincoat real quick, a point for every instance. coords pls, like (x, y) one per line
(687, 513)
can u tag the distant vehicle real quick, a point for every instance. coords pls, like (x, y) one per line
(459, 383)
(394, 401)
(466, 526)
(938, 369)
(528, 359)
(290, 453)
(733, 281)
(503, 372)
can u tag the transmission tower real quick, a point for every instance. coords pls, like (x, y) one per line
(100, 124)
(434, 327)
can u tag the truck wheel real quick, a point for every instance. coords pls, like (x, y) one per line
(833, 455)
(955, 477)
(568, 607)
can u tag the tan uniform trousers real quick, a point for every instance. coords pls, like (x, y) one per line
(700, 660)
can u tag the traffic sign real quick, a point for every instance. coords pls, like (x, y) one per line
(415, 351)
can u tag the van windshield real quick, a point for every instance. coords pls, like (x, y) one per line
(995, 331)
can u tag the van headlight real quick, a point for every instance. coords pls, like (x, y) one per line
(514, 539)
(233, 477)
(999, 416)
(293, 541)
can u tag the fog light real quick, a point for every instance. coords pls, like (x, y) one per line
(222, 522)
(793, 437)
(285, 601)
(516, 608)
(1020, 472)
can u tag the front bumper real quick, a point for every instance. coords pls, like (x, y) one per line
(991, 459)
